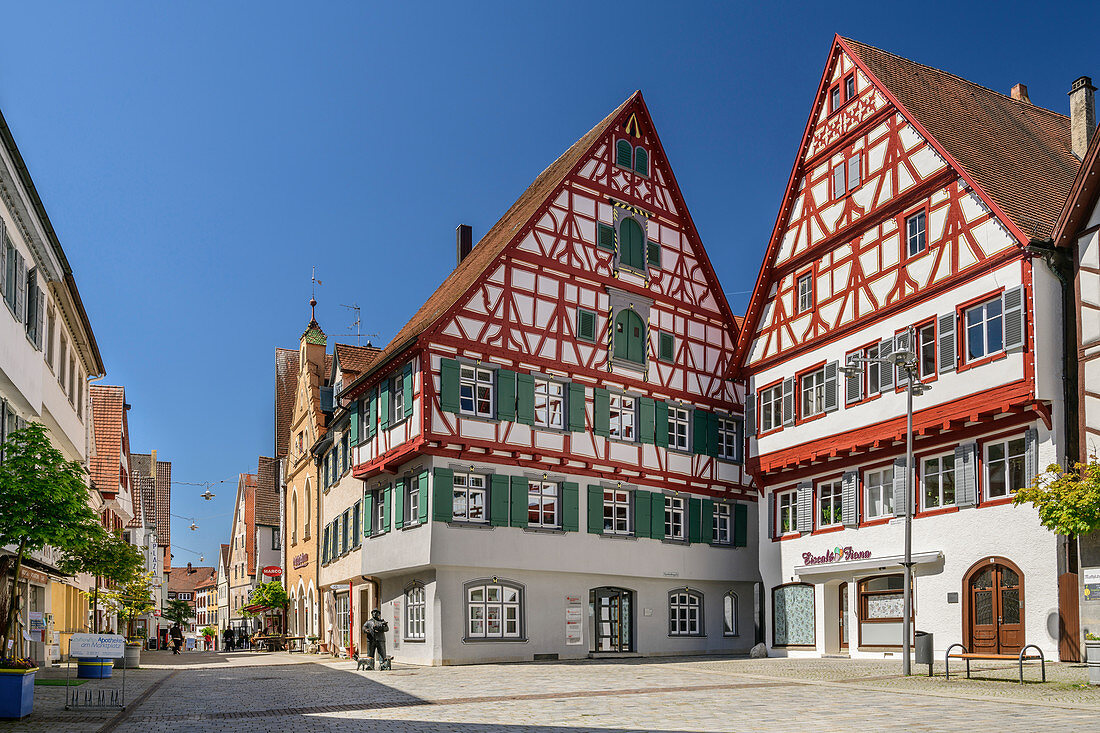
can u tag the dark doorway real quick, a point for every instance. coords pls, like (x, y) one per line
(613, 612)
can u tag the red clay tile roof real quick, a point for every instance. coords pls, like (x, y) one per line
(1078, 207)
(108, 414)
(286, 381)
(267, 493)
(223, 559)
(1018, 153)
(246, 489)
(354, 360)
(181, 580)
(164, 503)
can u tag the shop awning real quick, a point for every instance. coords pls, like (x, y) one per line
(258, 608)
(872, 563)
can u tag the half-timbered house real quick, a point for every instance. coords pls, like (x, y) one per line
(550, 448)
(913, 204)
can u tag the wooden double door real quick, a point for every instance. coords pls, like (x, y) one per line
(995, 592)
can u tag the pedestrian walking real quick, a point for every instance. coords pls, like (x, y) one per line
(177, 638)
(227, 640)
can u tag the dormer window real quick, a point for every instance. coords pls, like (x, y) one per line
(631, 157)
(850, 87)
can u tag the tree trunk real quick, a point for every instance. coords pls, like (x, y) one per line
(95, 607)
(13, 600)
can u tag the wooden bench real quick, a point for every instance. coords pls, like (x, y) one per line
(1022, 657)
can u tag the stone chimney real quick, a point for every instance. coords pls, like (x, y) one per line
(1019, 93)
(464, 241)
(1082, 115)
(153, 463)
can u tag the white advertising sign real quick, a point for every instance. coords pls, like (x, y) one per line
(574, 621)
(111, 646)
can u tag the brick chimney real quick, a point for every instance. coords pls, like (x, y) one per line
(1019, 93)
(1082, 115)
(464, 241)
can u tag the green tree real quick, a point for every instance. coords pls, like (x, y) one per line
(132, 599)
(106, 556)
(178, 611)
(43, 501)
(1068, 501)
(270, 594)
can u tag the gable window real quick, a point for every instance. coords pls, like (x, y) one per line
(674, 518)
(847, 175)
(586, 325)
(621, 425)
(415, 611)
(938, 480)
(469, 498)
(879, 488)
(916, 233)
(729, 438)
(926, 351)
(542, 504)
(476, 391)
(678, 421)
(632, 244)
(641, 161)
(786, 512)
(830, 502)
(630, 337)
(805, 292)
(685, 613)
(624, 153)
(1005, 467)
(722, 524)
(493, 611)
(616, 512)
(984, 329)
(729, 614)
(549, 404)
(813, 393)
(666, 346)
(771, 408)
(850, 87)
(834, 99)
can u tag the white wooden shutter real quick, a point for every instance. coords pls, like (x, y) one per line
(750, 414)
(831, 371)
(885, 371)
(947, 344)
(805, 507)
(1015, 319)
(1031, 454)
(788, 401)
(850, 498)
(901, 480)
(853, 387)
(966, 475)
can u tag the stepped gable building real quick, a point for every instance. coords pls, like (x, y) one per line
(550, 448)
(916, 201)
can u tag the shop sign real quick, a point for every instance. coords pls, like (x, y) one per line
(301, 560)
(574, 621)
(836, 554)
(97, 645)
(33, 576)
(1092, 584)
(273, 571)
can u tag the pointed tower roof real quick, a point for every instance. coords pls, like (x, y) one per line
(313, 333)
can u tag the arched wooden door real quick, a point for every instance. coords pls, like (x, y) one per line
(994, 589)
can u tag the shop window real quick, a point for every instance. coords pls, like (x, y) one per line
(685, 613)
(415, 609)
(938, 480)
(342, 631)
(879, 493)
(881, 610)
(793, 615)
(1005, 467)
(494, 611)
(675, 526)
(729, 614)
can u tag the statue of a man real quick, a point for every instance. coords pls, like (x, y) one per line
(375, 629)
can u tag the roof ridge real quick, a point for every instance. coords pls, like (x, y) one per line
(906, 59)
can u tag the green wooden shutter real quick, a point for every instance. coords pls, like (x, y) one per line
(386, 508)
(595, 509)
(498, 500)
(443, 495)
(654, 252)
(570, 509)
(448, 385)
(506, 395)
(643, 505)
(401, 487)
(657, 515)
(601, 417)
(624, 153)
(422, 498)
(576, 407)
(695, 520)
(707, 528)
(666, 348)
(368, 512)
(407, 388)
(660, 424)
(372, 413)
(641, 160)
(646, 416)
(632, 242)
(699, 431)
(740, 525)
(525, 399)
(519, 501)
(353, 423)
(605, 237)
(384, 405)
(324, 546)
(712, 434)
(586, 325)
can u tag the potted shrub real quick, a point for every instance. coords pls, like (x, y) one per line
(16, 687)
(1092, 657)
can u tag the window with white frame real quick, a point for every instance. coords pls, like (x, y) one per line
(938, 481)
(379, 504)
(729, 614)
(786, 512)
(872, 370)
(678, 421)
(675, 526)
(549, 404)
(1005, 467)
(723, 524)
(850, 87)
(879, 493)
(830, 504)
(984, 329)
(343, 605)
(621, 424)
(771, 408)
(846, 176)
(685, 613)
(412, 500)
(729, 439)
(926, 351)
(397, 399)
(916, 233)
(415, 609)
(475, 391)
(469, 498)
(493, 611)
(805, 292)
(542, 504)
(813, 393)
(616, 512)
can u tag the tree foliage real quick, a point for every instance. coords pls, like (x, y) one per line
(1068, 502)
(106, 556)
(178, 611)
(270, 594)
(135, 598)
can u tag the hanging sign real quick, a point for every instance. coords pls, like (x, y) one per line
(273, 571)
(836, 554)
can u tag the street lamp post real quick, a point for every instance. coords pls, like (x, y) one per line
(905, 359)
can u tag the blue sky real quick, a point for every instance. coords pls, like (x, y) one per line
(197, 160)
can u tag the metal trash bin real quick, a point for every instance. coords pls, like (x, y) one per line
(922, 649)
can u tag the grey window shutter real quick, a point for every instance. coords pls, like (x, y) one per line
(20, 288)
(1031, 454)
(901, 482)
(805, 507)
(3, 261)
(771, 516)
(885, 372)
(39, 318)
(946, 327)
(1015, 319)
(850, 498)
(831, 401)
(750, 415)
(788, 401)
(853, 388)
(966, 475)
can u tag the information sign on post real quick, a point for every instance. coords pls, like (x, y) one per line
(105, 646)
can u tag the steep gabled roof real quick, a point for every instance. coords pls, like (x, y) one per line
(267, 493)
(1083, 194)
(353, 360)
(286, 381)
(108, 414)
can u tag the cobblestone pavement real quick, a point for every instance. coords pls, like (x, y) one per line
(277, 692)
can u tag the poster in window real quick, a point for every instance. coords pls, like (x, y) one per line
(1092, 583)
